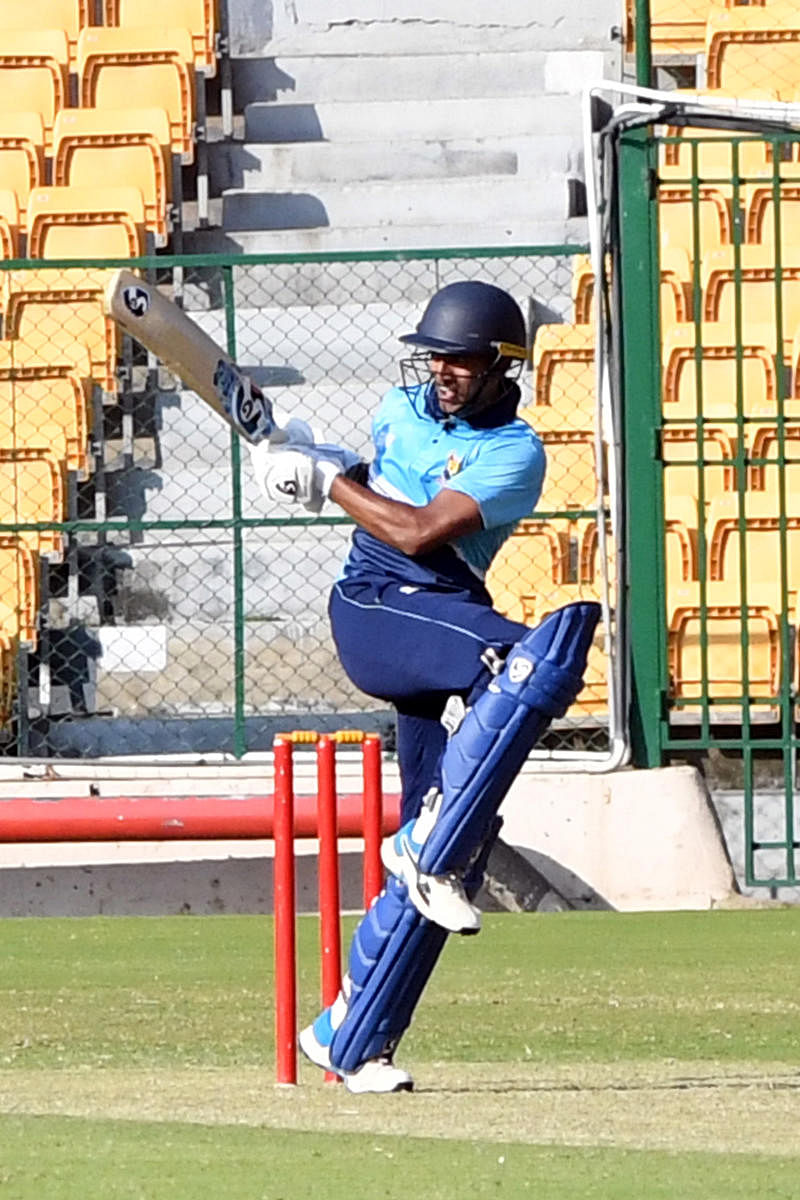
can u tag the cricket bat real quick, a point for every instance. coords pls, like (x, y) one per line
(188, 351)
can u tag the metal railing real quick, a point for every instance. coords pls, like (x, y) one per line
(160, 608)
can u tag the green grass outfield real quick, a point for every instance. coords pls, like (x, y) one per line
(557, 1056)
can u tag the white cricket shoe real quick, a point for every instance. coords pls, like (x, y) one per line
(315, 1050)
(375, 1075)
(378, 1075)
(440, 898)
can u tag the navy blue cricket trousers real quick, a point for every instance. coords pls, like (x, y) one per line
(414, 647)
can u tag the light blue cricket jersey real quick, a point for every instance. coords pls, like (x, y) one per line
(418, 452)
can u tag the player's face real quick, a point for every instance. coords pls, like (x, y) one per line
(456, 378)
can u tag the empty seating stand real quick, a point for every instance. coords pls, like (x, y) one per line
(21, 155)
(39, 16)
(198, 16)
(32, 491)
(120, 147)
(564, 389)
(46, 406)
(677, 27)
(52, 317)
(707, 656)
(708, 374)
(695, 220)
(9, 223)
(84, 223)
(34, 70)
(754, 46)
(19, 590)
(118, 67)
(741, 286)
(533, 561)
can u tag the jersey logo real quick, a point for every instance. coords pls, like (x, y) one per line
(452, 466)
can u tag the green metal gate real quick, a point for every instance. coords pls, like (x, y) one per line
(711, 436)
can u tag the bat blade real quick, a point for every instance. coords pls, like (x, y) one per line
(187, 350)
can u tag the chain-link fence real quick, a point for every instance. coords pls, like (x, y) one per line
(151, 603)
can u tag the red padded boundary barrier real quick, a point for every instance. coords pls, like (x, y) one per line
(167, 818)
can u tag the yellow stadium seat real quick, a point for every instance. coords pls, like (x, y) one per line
(593, 699)
(8, 676)
(44, 15)
(676, 218)
(582, 289)
(97, 147)
(21, 155)
(774, 461)
(719, 625)
(83, 222)
(46, 407)
(588, 547)
(760, 213)
(19, 590)
(680, 542)
(34, 68)
(531, 563)
(765, 546)
(118, 66)
(713, 156)
(52, 316)
(564, 389)
(677, 27)
(758, 293)
(718, 370)
(9, 224)
(571, 478)
(754, 46)
(675, 293)
(685, 465)
(32, 490)
(198, 16)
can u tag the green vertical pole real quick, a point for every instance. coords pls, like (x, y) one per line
(644, 484)
(644, 56)
(239, 734)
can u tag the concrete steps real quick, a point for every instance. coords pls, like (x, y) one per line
(518, 231)
(368, 127)
(366, 79)
(412, 119)
(403, 203)
(373, 284)
(257, 167)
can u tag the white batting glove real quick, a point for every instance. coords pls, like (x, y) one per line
(303, 474)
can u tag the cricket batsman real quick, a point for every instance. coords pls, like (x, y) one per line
(454, 470)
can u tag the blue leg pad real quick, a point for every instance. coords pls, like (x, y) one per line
(393, 952)
(541, 678)
(392, 955)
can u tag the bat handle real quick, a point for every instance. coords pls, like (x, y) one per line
(294, 433)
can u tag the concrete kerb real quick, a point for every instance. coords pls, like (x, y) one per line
(631, 840)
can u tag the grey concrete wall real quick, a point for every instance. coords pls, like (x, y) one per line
(256, 25)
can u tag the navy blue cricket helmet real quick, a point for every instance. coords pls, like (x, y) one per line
(471, 317)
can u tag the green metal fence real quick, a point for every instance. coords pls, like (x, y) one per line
(151, 603)
(712, 431)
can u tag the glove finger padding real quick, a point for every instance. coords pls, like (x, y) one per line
(301, 473)
(286, 477)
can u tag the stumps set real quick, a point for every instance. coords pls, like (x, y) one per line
(328, 831)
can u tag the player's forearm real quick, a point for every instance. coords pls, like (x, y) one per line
(401, 525)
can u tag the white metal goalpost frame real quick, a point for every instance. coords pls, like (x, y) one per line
(611, 108)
